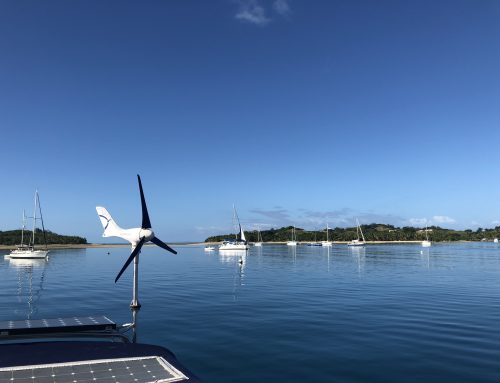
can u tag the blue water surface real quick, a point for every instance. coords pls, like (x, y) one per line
(386, 313)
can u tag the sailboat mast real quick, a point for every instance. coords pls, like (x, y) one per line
(41, 218)
(22, 230)
(234, 222)
(361, 231)
(242, 234)
(327, 232)
(34, 217)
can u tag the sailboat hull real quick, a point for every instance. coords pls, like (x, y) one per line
(353, 243)
(28, 254)
(233, 246)
(426, 243)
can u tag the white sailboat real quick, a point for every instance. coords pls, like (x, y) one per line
(293, 242)
(358, 242)
(426, 243)
(259, 238)
(28, 251)
(236, 244)
(326, 243)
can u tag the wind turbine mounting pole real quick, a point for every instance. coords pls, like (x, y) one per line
(135, 305)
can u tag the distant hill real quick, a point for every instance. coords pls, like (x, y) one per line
(372, 232)
(13, 237)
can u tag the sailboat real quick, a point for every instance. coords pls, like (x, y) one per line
(314, 243)
(426, 243)
(236, 244)
(358, 242)
(293, 242)
(326, 243)
(29, 251)
(259, 238)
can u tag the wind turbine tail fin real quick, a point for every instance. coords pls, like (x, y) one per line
(111, 229)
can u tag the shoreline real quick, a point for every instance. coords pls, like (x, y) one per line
(201, 244)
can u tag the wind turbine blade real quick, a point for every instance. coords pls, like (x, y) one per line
(130, 259)
(146, 223)
(163, 245)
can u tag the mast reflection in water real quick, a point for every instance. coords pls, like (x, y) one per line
(30, 279)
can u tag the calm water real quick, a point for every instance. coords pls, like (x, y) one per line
(387, 313)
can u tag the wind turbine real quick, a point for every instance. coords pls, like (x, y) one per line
(137, 238)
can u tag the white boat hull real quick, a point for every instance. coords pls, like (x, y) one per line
(326, 244)
(28, 254)
(291, 243)
(233, 246)
(426, 243)
(356, 244)
(257, 244)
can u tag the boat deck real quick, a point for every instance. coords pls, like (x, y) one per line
(65, 360)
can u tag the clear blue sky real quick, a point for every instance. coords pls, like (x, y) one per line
(297, 111)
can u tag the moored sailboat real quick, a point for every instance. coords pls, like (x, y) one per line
(426, 243)
(238, 243)
(259, 239)
(293, 242)
(326, 243)
(359, 241)
(29, 250)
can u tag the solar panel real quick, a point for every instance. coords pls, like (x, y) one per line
(147, 369)
(46, 326)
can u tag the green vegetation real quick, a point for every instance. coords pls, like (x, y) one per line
(372, 232)
(13, 237)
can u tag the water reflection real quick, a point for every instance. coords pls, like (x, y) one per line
(292, 250)
(238, 258)
(30, 278)
(327, 250)
(233, 256)
(359, 252)
(425, 254)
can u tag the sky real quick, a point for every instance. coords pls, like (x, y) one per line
(299, 112)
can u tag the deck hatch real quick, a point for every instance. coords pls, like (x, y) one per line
(148, 369)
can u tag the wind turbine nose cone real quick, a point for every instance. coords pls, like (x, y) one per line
(147, 234)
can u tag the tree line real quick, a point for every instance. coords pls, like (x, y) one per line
(372, 232)
(13, 237)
